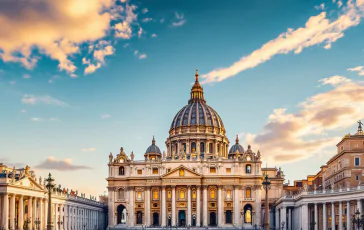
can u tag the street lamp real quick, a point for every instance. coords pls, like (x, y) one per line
(282, 224)
(242, 217)
(27, 222)
(358, 220)
(266, 185)
(37, 222)
(50, 186)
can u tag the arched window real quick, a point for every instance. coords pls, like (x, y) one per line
(182, 194)
(121, 170)
(248, 193)
(212, 194)
(248, 213)
(210, 148)
(202, 147)
(248, 168)
(155, 194)
(228, 194)
(121, 193)
(193, 147)
(181, 172)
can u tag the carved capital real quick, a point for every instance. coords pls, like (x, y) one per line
(238, 187)
(173, 186)
(205, 186)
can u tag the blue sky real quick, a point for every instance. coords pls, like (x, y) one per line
(114, 74)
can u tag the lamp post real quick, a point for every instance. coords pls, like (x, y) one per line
(37, 222)
(242, 217)
(358, 220)
(26, 223)
(50, 187)
(266, 186)
(282, 224)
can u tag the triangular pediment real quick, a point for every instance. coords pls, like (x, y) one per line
(29, 183)
(175, 173)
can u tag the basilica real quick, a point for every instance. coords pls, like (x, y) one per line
(198, 181)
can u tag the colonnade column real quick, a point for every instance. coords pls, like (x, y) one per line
(40, 211)
(277, 218)
(332, 215)
(198, 210)
(305, 217)
(340, 215)
(164, 206)
(65, 222)
(283, 216)
(236, 205)
(147, 199)
(258, 204)
(12, 211)
(289, 224)
(111, 207)
(324, 215)
(30, 214)
(56, 217)
(174, 204)
(348, 216)
(359, 206)
(5, 210)
(219, 206)
(204, 205)
(34, 208)
(21, 212)
(45, 214)
(316, 217)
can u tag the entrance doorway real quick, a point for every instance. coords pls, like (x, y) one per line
(182, 218)
(228, 217)
(212, 218)
(121, 217)
(139, 217)
(155, 219)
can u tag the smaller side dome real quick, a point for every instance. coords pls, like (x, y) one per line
(153, 149)
(236, 147)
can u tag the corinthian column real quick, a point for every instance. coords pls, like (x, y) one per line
(5, 210)
(204, 205)
(30, 213)
(164, 206)
(131, 202)
(198, 204)
(21, 212)
(236, 205)
(12, 211)
(173, 205)
(220, 206)
(189, 208)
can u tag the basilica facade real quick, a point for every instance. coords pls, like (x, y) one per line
(198, 181)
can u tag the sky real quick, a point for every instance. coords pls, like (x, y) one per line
(80, 79)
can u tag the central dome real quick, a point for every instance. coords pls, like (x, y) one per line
(197, 112)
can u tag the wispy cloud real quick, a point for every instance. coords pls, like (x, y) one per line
(147, 19)
(288, 137)
(12, 82)
(145, 10)
(36, 119)
(26, 76)
(154, 36)
(180, 20)
(318, 30)
(142, 56)
(23, 111)
(320, 7)
(53, 78)
(60, 165)
(359, 69)
(105, 116)
(334, 80)
(88, 149)
(140, 32)
(32, 100)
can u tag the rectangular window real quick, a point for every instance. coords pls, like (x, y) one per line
(139, 172)
(356, 161)
(357, 177)
(228, 170)
(155, 171)
(212, 170)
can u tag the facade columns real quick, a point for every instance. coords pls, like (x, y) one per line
(5, 210)
(34, 208)
(305, 217)
(56, 217)
(324, 215)
(21, 212)
(277, 218)
(340, 215)
(289, 224)
(236, 205)
(332, 215)
(189, 204)
(198, 204)
(40, 213)
(359, 206)
(316, 217)
(283, 217)
(65, 222)
(258, 205)
(30, 213)
(204, 206)
(147, 205)
(131, 210)
(164, 206)
(44, 223)
(174, 204)
(220, 206)
(111, 210)
(348, 216)
(12, 211)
